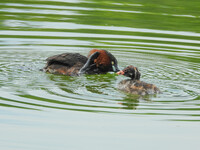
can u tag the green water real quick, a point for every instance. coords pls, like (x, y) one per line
(45, 111)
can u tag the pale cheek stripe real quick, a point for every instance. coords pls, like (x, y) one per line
(135, 72)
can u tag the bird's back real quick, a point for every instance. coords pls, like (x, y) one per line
(137, 87)
(68, 59)
(66, 64)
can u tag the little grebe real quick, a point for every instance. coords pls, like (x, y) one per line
(74, 64)
(134, 85)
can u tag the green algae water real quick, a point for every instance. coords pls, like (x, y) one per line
(48, 112)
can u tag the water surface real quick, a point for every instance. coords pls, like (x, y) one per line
(45, 111)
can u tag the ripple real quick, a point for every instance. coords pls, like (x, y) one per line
(166, 58)
(98, 93)
(72, 34)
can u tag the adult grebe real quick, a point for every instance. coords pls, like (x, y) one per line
(74, 64)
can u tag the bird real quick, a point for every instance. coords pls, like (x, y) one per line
(75, 64)
(134, 85)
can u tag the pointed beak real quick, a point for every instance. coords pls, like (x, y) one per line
(120, 72)
(115, 68)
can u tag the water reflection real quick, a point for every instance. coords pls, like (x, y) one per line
(152, 39)
(46, 111)
(130, 102)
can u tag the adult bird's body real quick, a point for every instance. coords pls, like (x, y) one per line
(74, 64)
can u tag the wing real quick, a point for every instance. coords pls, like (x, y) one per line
(146, 87)
(68, 59)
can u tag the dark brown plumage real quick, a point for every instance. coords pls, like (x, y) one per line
(74, 64)
(65, 64)
(134, 85)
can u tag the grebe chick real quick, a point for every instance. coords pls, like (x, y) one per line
(74, 64)
(134, 85)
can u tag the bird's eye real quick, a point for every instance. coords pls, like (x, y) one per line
(112, 62)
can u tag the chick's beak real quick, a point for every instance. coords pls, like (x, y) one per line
(120, 72)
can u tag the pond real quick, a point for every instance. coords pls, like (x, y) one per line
(46, 111)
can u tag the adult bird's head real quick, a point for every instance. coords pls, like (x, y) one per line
(99, 61)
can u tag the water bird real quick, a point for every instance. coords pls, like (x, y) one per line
(75, 64)
(134, 85)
